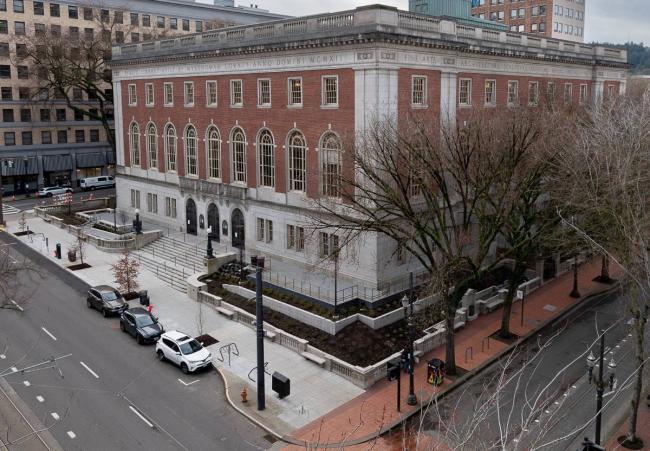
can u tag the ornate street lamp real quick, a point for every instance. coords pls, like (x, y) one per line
(600, 381)
(407, 301)
(209, 251)
(137, 223)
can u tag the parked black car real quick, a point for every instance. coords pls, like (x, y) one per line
(141, 324)
(107, 300)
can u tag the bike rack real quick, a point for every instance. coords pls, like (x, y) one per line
(232, 349)
(485, 339)
(266, 364)
(471, 353)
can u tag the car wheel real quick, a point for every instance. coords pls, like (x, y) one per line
(138, 339)
(122, 328)
(92, 188)
(68, 191)
(184, 368)
(104, 313)
(49, 195)
(88, 304)
(161, 355)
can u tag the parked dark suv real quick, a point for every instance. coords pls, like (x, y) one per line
(107, 300)
(141, 324)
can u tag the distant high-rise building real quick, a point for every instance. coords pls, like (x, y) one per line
(458, 9)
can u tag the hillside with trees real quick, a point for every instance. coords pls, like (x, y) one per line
(638, 56)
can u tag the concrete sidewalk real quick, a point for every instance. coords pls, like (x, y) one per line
(314, 391)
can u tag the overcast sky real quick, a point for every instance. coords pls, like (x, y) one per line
(614, 21)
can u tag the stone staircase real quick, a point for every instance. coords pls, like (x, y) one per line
(171, 260)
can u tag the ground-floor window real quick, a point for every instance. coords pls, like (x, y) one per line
(170, 207)
(152, 203)
(329, 244)
(264, 230)
(135, 198)
(295, 238)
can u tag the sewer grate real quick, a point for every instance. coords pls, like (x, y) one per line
(270, 438)
(206, 339)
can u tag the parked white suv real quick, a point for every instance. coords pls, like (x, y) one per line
(93, 183)
(183, 351)
(50, 191)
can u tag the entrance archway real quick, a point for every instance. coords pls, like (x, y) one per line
(190, 216)
(238, 229)
(213, 221)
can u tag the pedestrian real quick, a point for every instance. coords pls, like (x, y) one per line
(149, 308)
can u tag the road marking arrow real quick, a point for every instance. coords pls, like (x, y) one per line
(186, 383)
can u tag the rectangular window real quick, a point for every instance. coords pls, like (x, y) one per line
(199, 26)
(169, 94)
(418, 91)
(10, 138)
(236, 93)
(27, 138)
(465, 92)
(5, 71)
(61, 114)
(211, 93)
(119, 37)
(45, 115)
(173, 23)
(62, 136)
(170, 207)
(264, 93)
(19, 6)
(89, 34)
(133, 99)
(295, 92)
(118, 17)
(134, 18)
(55, 11)
(152, 203)
(3, 5)
(490, 92)
(328, 243)
(584, 94)
(295, 238)
(104, 15)
(4, 29)
(513, 93)
(135, 37)
(19, 28)
(568, 93)
(146, 20)
(550, 92)
(330, 91)
(6, 93)
(21, 50)
(46, 137)
(186, 24)
(135, 198)
(160, 21)
(88, 14)
(264, 230)
(26, 115)
(80, 136)
(611, 91)
(7, 115)
(77, 94)
(148, 94)
(533, 93)
(23, 93)
(188, 93)
(4, 49)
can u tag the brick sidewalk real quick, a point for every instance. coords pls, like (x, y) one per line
(642, 428)
(375, 409)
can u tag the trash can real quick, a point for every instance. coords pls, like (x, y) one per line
(57, 251)
(281, 384)
(435, 372)
(144, 297)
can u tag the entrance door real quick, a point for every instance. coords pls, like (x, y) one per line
(237, 225)
(213, 221)
(190, 216)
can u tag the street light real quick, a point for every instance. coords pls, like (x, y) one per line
(600, 381)
(406, 302)
(208, 252)
(575, 293)
(137, 223)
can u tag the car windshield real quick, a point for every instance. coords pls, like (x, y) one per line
(110, 296)
(190, 347)
(144, 321)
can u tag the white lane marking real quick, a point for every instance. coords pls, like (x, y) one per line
(71, 434)
(13, 369)
(26, 383)
(2, 356)
(55, 415)
(17, 306)
(89, 370)
(39, 398)
(49, 333)
(187, 384)
(134, 410)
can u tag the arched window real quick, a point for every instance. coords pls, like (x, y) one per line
(238, 148)
(152, 145)
(170, 147)
(134, 143)
(191, 166)
(297, 162)
(214, 153)
(266, 159)
(330, 156)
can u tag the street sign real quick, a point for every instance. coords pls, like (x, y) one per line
(520, 294)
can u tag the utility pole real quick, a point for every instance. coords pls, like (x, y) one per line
(259, 318)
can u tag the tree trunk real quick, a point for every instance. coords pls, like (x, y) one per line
(639, 329)
(604, 270)
(515, 281)
(450, 316)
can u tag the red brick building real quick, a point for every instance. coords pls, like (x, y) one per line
(242, 129)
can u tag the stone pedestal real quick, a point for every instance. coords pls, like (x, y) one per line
(211, 265)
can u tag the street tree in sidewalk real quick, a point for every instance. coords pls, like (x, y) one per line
(14, 293)
(126, 271)
(441, 194)
(607, 167)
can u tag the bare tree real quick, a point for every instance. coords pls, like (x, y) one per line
(79, 246)
(12, 287)
(126, 271)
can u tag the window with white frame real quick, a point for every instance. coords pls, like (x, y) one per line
(135, 198)
(170, 148)
(465, 92)
(330, 88)
(152, 145)
(331, 156)
(533, 93)
(328, 244)
(266, 159)
(490, 92)
(152, 203)
(236, 93)
(214, 153)
(191, 153)
(295, 238)
(188, 93)
(238, 148)
(513, 92)
(133, 97)
(295, 92)
(584, 94)
(168, 89)
(418, 91)
(211, 93)
(148, 94)
(568, 93)
(170, 207)
(264, 92)
(134, 143)
(611, 91)
(550, 92)
(297, 162)
(264, 230)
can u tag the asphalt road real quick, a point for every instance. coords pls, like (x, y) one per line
(544, 397)
(31, 202)
(96, 388)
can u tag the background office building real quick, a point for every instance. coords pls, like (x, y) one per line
(42, 142)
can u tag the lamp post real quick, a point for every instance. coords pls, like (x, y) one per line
(137, 223)
(240, 244)
(407, 301)
(600, 381)
(575, 293)
(209, 251)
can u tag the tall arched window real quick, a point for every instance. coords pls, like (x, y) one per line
(191, 166)
(297, 162)
(170, 147)
(152, 145)
(266, 159)
(134, 143)
(214, 152)
(330, 156)
(238, 148)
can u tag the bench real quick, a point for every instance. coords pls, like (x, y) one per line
(493, 303)
(46, 219)
(225, 312)
(270, 335)
(314, 358)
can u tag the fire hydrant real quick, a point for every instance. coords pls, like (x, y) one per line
(244, 395)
